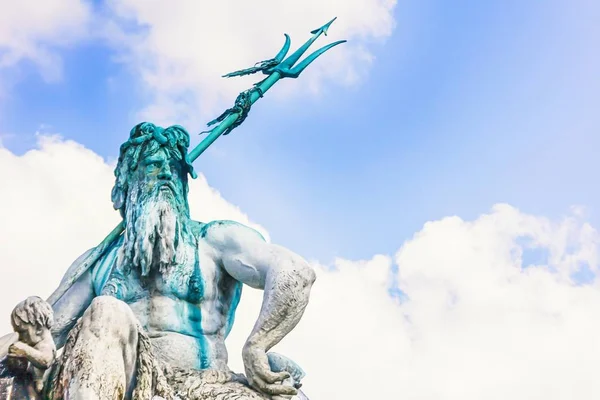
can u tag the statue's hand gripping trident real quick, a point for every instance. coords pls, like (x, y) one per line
(276, 68)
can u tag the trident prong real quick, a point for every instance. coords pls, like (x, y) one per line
(324, 28)
(284, 50)
(276, 69)
(266, 64)
(230, 119)
(294, 72)
(287, 69)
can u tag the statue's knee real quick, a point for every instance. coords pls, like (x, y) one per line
(106, 301)
(107, 315)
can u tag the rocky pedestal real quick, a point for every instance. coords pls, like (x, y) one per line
(17, 388)
(15, 382)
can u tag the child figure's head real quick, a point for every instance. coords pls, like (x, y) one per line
(31, 319)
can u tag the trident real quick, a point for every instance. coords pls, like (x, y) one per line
(276, 69)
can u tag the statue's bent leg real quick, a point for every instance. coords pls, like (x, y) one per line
(103, 359)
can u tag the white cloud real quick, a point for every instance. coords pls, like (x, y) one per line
(475, 323)
(181, 48)
(482, 326)
(32, 30)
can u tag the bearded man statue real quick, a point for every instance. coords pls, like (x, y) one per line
(149, 319)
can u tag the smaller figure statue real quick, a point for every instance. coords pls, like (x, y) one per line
(35, 351)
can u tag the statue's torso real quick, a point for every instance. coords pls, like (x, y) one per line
(187, 311)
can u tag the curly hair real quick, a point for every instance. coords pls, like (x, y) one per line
(32, 311)
(147, 138)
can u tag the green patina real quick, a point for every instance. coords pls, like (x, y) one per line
(175, 140)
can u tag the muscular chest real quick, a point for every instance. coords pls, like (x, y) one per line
(193, 279)
(189, 282)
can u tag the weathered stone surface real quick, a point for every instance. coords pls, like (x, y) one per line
(15, 382)
(149, 316)
(17, 388)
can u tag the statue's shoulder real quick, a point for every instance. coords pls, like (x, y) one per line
(103, 267)
(223, 230)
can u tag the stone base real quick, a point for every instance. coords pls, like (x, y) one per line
(15, 382)
(17, 388)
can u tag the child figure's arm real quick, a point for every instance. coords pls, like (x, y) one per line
(40, 356)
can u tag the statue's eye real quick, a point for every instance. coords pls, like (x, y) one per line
(152, 165)
(175, 165)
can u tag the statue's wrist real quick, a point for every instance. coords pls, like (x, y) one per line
(254, 344)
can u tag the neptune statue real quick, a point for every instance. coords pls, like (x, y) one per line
(145, 314)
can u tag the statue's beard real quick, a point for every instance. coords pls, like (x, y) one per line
(156, 226)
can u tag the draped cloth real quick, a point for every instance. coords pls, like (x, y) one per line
(154, 379)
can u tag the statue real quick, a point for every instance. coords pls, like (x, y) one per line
(145, 314)
(34, 352)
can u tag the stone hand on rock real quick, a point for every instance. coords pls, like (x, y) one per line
(280, 363)
(260, 375)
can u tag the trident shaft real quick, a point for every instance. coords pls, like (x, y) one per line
(276, 69)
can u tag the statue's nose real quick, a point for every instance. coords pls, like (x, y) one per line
(165, 173)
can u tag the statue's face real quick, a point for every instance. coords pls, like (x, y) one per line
(158, 172)
(157, 212)
(30, 334)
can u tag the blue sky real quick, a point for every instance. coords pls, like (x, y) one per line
(465, 105)
(432, 109)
